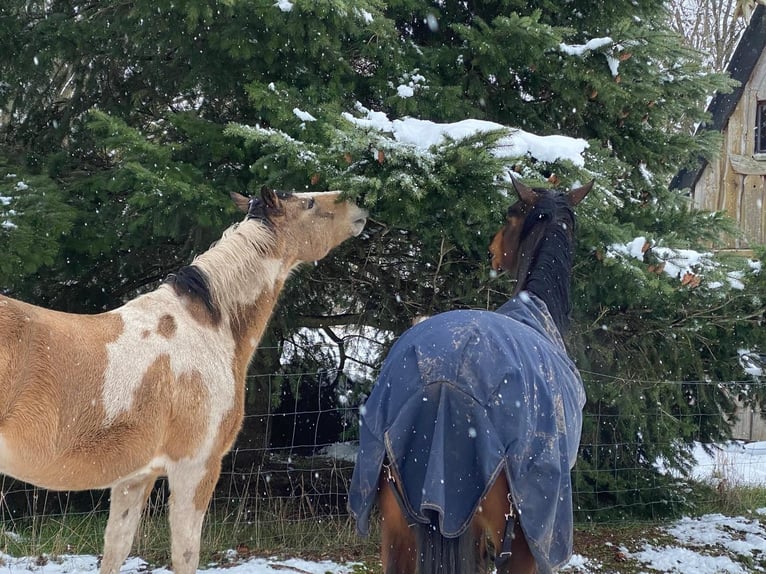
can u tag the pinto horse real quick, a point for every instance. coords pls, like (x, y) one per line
(469, 435)
(157, 386)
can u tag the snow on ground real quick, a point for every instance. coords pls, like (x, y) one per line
(737, 463)
(341, 451)
(80, 563)
(712, 544)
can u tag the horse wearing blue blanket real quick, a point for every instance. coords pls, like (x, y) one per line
(468, 437)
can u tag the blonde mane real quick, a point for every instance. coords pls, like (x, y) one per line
(239, 266)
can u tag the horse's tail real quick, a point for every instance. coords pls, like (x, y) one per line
(439, 554)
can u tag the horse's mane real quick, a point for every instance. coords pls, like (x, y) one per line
(547, 236)
(239, 261)
(192, 281)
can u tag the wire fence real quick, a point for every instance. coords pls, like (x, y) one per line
(300, 473)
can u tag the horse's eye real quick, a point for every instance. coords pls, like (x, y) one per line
(311, 203)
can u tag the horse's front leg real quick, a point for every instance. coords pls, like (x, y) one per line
(191, 488)
(125, 508)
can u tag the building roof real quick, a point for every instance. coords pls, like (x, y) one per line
(740, 68)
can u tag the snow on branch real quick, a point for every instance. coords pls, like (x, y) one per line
(424, 134)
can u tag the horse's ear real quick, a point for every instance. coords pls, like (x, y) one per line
(578, 194)
(242, 202)
(271, 199)
(525, 193)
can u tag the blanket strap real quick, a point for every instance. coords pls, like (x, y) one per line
(510, 521)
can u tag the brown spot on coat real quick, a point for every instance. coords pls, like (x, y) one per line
(200, 314)
(167, 326)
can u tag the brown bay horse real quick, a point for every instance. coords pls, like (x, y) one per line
(469, 435)
(157, 386)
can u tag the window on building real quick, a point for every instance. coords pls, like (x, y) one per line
(760, 127)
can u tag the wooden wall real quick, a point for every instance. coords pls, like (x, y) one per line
(750, 425)
(735, 181)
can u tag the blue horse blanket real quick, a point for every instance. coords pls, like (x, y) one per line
(464, 396)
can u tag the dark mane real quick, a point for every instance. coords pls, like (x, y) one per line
(547, 236)
(193, 282)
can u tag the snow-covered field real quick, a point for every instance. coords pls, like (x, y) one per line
(737, 463)
(712, 544)
(74, 564)
(709, 544)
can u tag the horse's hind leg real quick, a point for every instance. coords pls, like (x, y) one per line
(522, 561)
(398, 544)
(492, 517)
(191, 488)
(125, 508)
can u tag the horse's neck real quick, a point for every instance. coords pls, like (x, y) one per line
(246, 271)
(548, 275)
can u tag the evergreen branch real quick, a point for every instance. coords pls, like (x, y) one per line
(340, 342)
(323, 321)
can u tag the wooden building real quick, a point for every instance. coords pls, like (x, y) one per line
(735, 182)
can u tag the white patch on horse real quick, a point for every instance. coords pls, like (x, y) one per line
(191, 348)
(184, 478)
(271, 271)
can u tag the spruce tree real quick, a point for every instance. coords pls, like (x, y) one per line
(126, 125)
